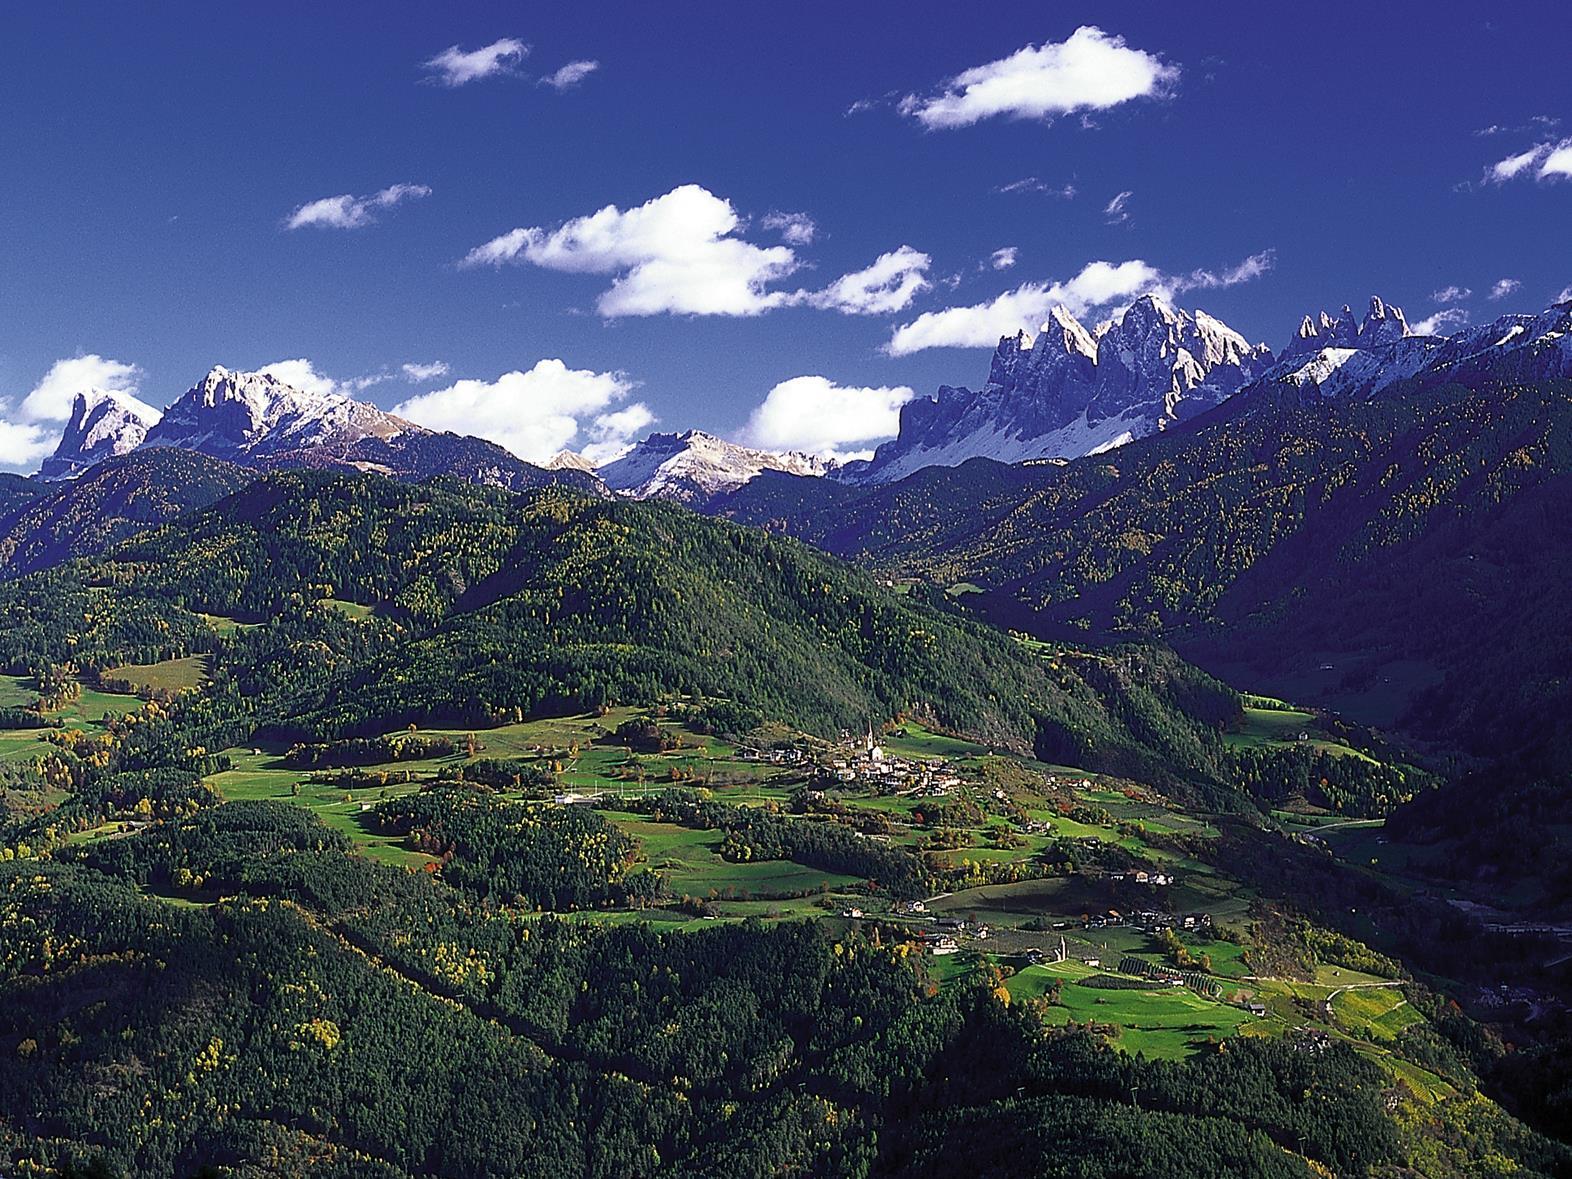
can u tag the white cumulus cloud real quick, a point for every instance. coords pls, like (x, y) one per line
(31, 430)
(1442, 323)
(1003, 258)
(1091, 70)
(352, 212)
(455, 66)
(1551, 160)
(815, 415)
(300, 373)
(539, 412)
(678, 253)
(1098, 285)
(570, 75)
(50, 400)
(1504, 287)
(885, 287)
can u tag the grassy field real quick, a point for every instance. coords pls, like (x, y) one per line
(260, 776)
(589, 765)
(913, 740)
(1159, 1022)
(691, 863)
(172, 675)
(1164, 1024)
(348, 609)
(223, 625)
(1278, 726)
(86, 711)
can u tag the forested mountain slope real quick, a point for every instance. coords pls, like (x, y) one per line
(488, 606)
(116, 499)
(1411, 542)
(333, 1017)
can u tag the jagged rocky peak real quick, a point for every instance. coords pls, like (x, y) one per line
(103, 424)
(693, 466)
(1067, 391)
(1383, 323)
(1061, 350)
(258, 413)
(1154, 357)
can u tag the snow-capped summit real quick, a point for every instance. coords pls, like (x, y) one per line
(1068, 392)
(103, 424)
(693, 466)
(256, 413)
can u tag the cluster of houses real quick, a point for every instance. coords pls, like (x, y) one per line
(862, 760)
(1149, 920)
(1142, 876)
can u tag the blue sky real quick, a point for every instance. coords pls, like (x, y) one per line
(1276, 160)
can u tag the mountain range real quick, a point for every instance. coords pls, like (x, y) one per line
(257, 420)
(1064, 393)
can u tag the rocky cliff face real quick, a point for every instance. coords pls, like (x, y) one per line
(102, 425)
(1068, 391)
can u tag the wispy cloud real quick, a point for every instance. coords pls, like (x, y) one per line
(1091, 70)
(352, 212)
(570, 75)
(416, 373)
(1117, 210)
(1003, 258)
(458, 67)
(883, 288)
(1033, 184)
(1537, 124)
(796, 229)
(1504, 287)
(1098, 285)
(1450, 294)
